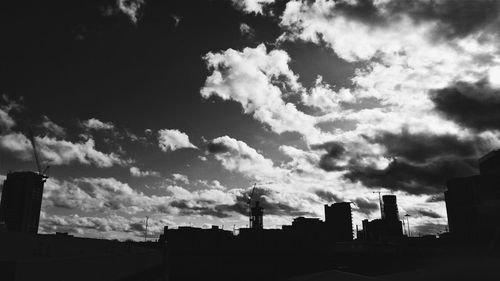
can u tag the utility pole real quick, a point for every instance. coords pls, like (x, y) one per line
(146, 231)
(408, 224)
(380, 203)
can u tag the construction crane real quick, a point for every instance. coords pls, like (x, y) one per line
(250, 198)
(41, 172)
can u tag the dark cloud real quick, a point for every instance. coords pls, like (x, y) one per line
(428, 228)
(428, 178)
(421, 163)
(363, 10)
(475, 106)
(217, 147)
(335, 150)
(455, 18)
(365, 206)
(269, 200)
(422, 148)
(428, 213)
(206, 208)
(327, 196)
(137, 226)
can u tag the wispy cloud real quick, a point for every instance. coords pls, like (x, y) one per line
(246, 30)
(96, 124)
(59, 152)
(52, 128)
(136, 172)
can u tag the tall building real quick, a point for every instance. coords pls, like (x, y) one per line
(473, 203)
(338, 221)
(256, 216)
(390, 208)
(21, 201)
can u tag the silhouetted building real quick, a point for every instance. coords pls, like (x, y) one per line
(338, 221)
(473, 203)
(390, 208)
(490, 163)
(309, 224)
(256, 216)
(194, 238)
(25, 256)
(387, 228)
(21, 201)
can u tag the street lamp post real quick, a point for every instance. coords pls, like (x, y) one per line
(146, 231)
(408, 224)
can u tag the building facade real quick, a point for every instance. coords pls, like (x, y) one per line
(21, 201)
(473, 207)
(338, 221)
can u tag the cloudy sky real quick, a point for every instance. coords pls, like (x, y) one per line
(173, 109)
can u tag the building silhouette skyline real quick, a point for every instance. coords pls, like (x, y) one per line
(473, 207)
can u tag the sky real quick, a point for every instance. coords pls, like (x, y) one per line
(173, 110)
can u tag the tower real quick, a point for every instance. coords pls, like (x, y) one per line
(256, 216)
(21, 201)
(390, 208)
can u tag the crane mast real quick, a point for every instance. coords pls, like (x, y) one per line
(41, 172)
(35, 152)
(255, 213)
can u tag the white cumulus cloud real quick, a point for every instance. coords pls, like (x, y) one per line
(96, 124)
(171, 140)
(252, 6)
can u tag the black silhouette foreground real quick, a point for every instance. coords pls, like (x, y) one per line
(309, 249)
